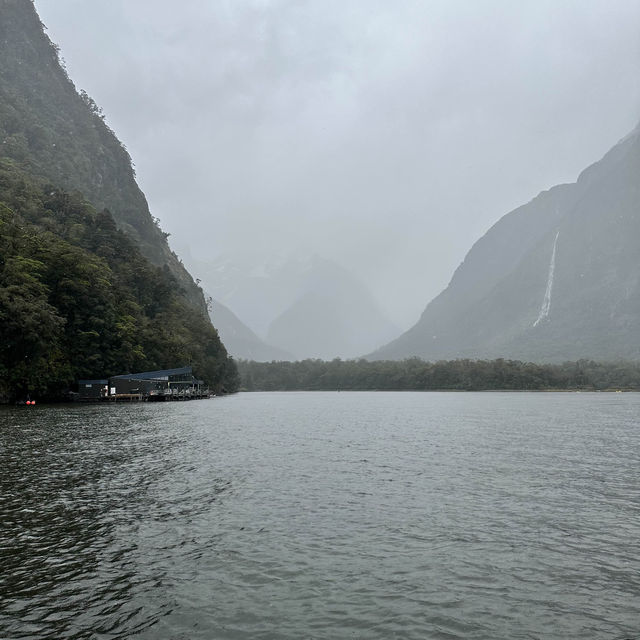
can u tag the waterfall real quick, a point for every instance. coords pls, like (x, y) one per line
(546, 302)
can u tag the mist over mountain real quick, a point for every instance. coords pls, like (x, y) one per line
(386, 136)
(257, 287)
(307, 306)
(556, 279)
(239, 340)
(333, 315)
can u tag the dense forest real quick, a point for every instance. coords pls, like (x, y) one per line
(59, 134)
(88, 284)
(415, 374)
(78, 300)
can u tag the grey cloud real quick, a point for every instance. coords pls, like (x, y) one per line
(386, 136)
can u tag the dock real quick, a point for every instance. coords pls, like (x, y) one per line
(167, 385)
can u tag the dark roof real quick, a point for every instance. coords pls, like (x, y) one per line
(93, 382)
(155, 375)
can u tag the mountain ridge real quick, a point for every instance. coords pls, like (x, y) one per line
(495, 295)
(88, 285)
(58, 134)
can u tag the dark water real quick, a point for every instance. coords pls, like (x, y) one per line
(327, 515)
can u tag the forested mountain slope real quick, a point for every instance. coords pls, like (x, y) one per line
(78, 300)
(556, 279)
(55, 133)
(88, 285)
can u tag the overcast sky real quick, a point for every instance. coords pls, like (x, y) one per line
(387, 135)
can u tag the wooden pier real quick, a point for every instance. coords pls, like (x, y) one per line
(179, 396)
(125, 397)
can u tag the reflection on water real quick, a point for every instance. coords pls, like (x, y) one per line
(352, 515)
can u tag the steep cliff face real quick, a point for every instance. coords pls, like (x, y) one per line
(88, 285)
(55, 133)
(558, 278)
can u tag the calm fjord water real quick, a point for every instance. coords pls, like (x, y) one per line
(323, 515)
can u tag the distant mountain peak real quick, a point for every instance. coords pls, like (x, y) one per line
(304, 304)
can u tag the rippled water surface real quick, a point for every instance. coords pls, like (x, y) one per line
(323, 515)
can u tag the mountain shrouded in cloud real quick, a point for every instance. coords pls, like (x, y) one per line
(333, 315)
(388, 136)
(307, 306)
(240, 341)
(556, 279)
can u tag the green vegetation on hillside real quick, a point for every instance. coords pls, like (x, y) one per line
(454, 375)
(88, 284)
(78, 300)
(55, 133)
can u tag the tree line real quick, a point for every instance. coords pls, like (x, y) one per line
(415, 374)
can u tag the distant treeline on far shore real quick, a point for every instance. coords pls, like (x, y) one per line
(452, 375)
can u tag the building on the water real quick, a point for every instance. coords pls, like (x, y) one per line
(165, 384)
(93, 389)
